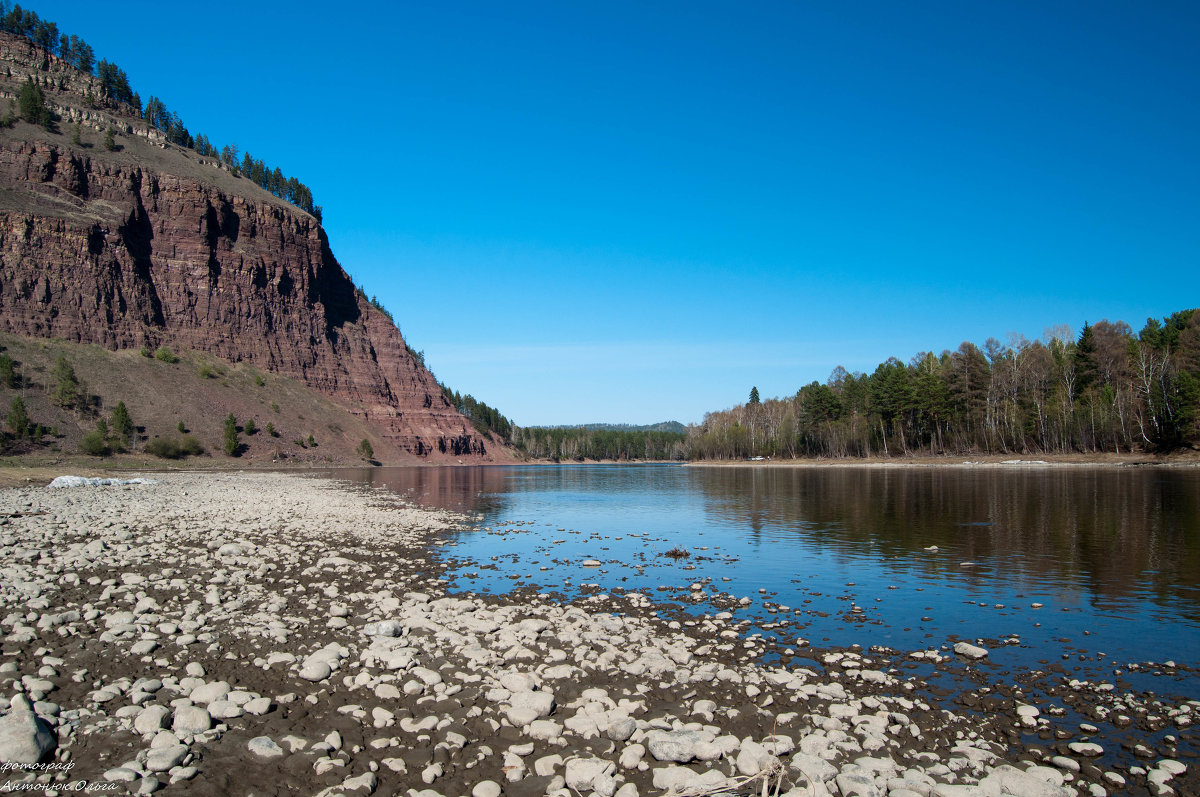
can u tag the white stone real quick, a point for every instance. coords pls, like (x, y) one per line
(384, 628)
(1008, 780)
(486, 788)
(151, 719)
(1085, 748)
(367, 782)
(674, 780)
(120, 775)
(677, 746)
(815, 768)
(856, 784)
(161, 759)
(620, 728)
(315, 670)
(191, 720)
(540, 704)
(295, 743)
(427, 676)
(24, 737)
(969, 650)
(544, 730)
(209, 692)
(518, 682)
(753, 758)
(223, 710)
(631, 756)
(582, 774)
(258, 706)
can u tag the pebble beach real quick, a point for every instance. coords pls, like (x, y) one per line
(267, 633)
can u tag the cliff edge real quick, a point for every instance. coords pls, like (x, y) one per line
(152, 244)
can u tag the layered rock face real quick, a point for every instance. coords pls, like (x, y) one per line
(100, 247)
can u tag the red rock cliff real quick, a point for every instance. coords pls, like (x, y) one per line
(153, 245)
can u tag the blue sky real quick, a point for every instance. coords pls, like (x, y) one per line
(635, 211)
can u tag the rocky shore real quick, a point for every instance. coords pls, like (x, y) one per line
(261, 634)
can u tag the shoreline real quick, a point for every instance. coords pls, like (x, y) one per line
(36, 471)
(305, 626)
(1176, 460)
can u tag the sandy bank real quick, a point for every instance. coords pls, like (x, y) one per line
(265, 633)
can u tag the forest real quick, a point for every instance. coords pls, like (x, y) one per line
(114, 86)
(485, 419)
(1109, 390)
(580, 442)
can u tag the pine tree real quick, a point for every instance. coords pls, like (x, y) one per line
(754, 395)
(66, 392)
(32, 102)
(45, 35)
(155, 113)
(8, 371)
(122, 423)
(18, 417)
(231, 435)
(1085, 353)
(85, 57)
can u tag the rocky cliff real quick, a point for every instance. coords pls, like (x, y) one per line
(153, 245)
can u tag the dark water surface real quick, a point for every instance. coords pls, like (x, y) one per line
(1112, 554)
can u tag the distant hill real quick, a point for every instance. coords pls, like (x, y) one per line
(662, 426)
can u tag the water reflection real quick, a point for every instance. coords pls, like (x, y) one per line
(1117, 534)
(463, 490)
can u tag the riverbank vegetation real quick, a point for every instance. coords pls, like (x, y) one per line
(1109, 390)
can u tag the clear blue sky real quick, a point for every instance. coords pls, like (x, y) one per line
(634, 211)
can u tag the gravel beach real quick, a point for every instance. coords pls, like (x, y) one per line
(264, 633)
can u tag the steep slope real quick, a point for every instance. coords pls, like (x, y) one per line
(153, 244)
(198, 391)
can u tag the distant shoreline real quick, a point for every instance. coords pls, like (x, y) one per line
(37, 472)
(1181, 459)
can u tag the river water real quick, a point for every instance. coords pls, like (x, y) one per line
(909, 558)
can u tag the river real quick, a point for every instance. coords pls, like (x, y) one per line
(1094, 564)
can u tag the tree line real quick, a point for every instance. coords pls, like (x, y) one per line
(485, 419)
(1108, 390)
(579, 443)
(114, 85)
